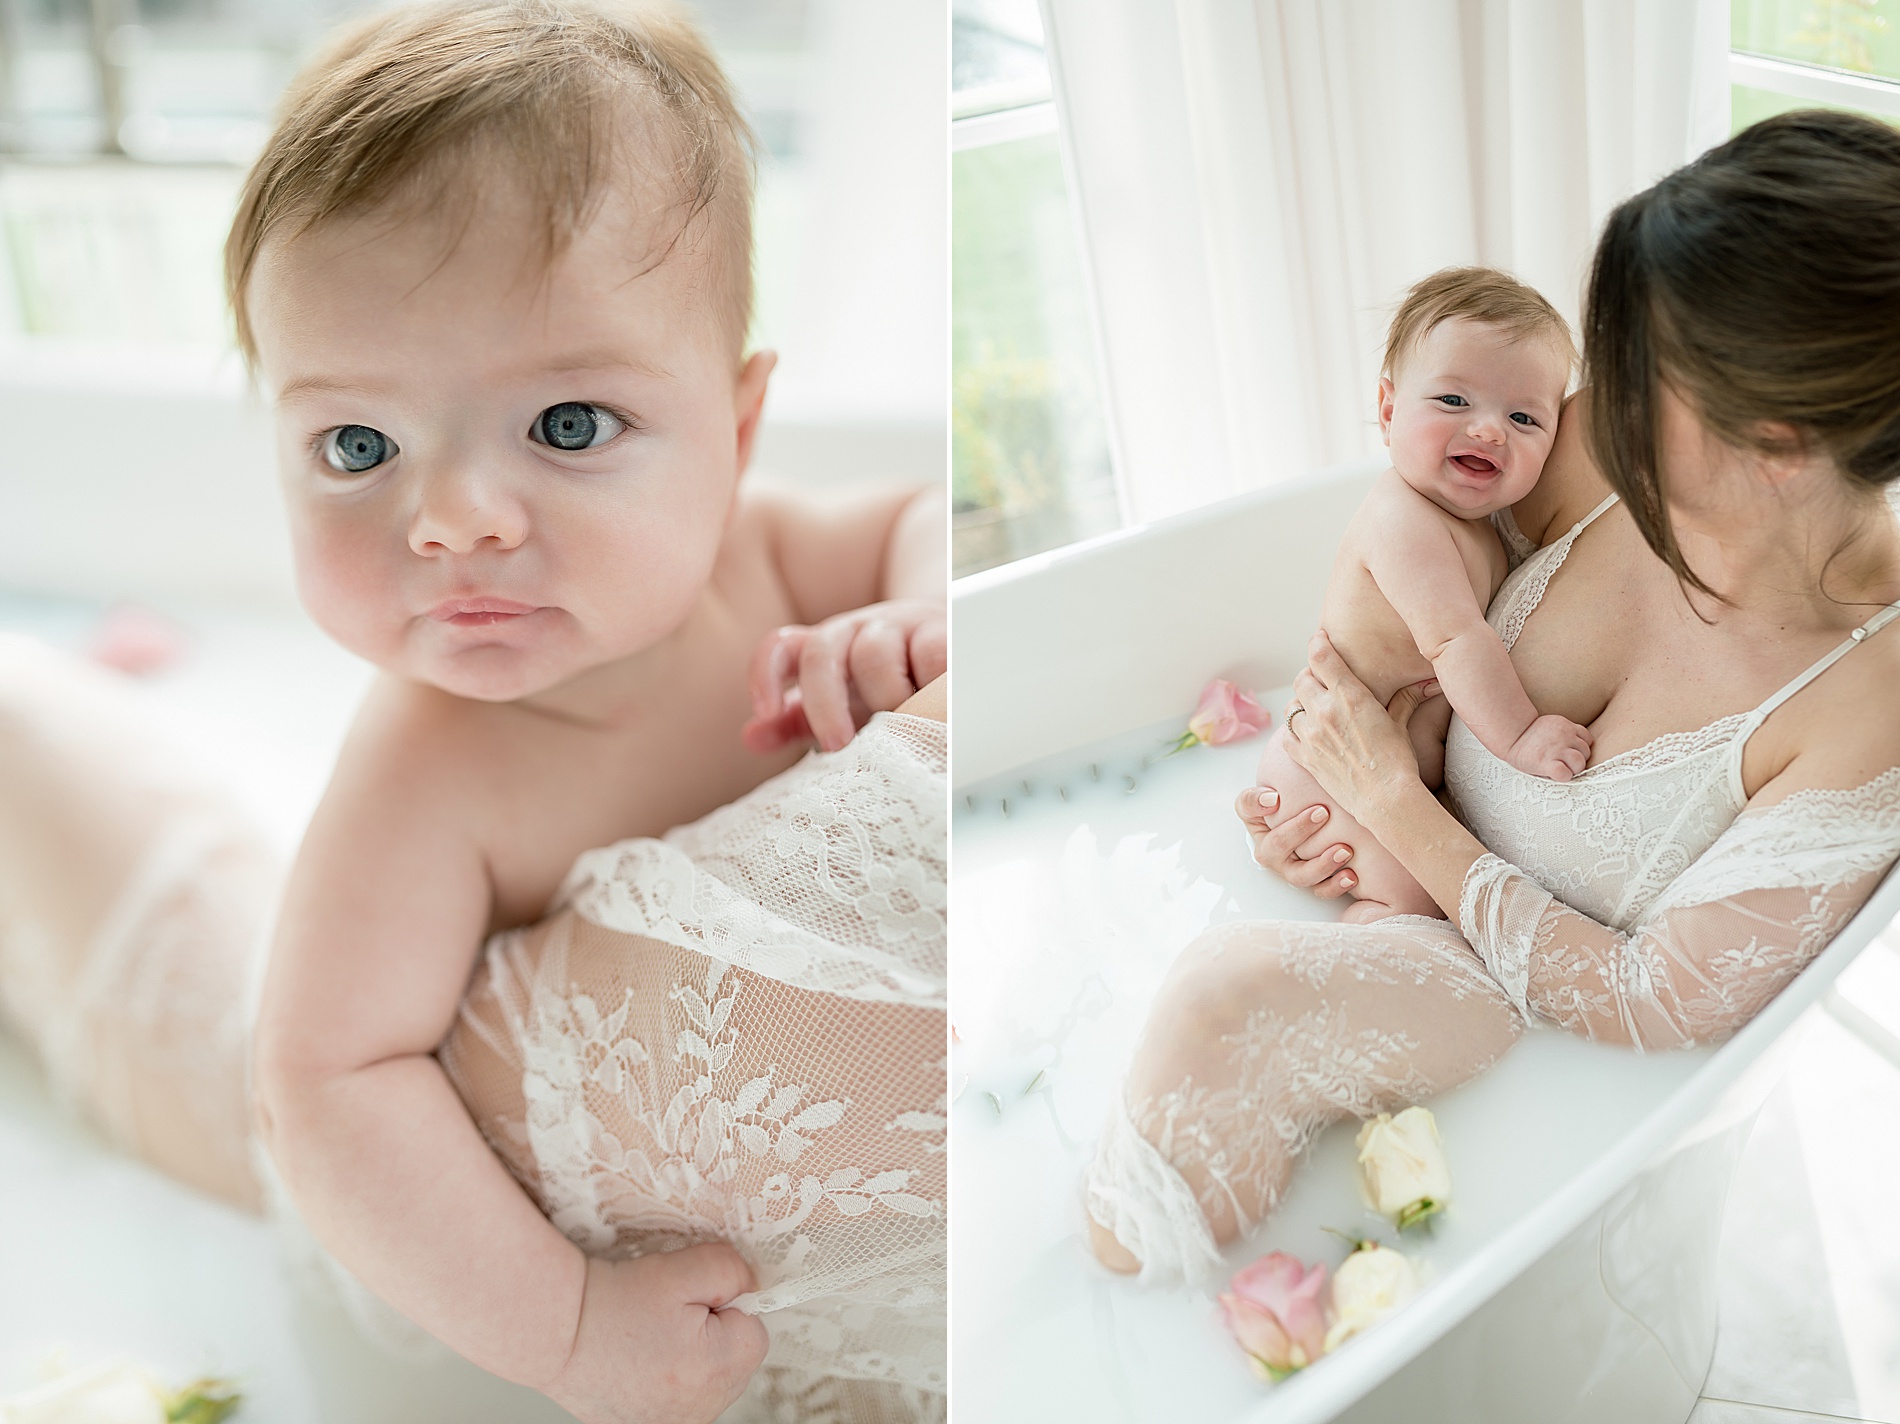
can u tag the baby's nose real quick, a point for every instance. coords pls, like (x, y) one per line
(461, 512)
(1485, 426)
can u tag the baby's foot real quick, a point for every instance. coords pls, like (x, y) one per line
(1553, 747)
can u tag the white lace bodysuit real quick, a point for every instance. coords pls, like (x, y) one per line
(736, 1032)
(1639, 904)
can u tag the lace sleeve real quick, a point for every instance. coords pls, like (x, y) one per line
(1721, 940)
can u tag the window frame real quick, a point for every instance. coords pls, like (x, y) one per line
(1034, 120)
(1800, 79)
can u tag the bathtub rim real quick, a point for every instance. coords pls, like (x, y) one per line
(1317, 1395)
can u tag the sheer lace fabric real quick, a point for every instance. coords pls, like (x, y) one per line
(1720, 941)
(738, 1034)
(1266, 1033)
(1637, 903)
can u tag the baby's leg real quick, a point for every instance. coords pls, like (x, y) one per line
(132, 901)
(1385, 886)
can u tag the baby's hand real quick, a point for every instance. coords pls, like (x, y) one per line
(654, 1347)
(825, 682)
(1552, 746)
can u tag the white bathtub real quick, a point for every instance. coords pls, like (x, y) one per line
(1575, 1279)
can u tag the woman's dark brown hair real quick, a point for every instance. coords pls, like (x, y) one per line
(1762, 283)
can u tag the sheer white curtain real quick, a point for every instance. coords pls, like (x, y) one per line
(1260, 180)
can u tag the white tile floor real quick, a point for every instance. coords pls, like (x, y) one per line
(1810, 1314)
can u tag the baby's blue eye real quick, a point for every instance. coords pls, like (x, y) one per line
(575, 425)
(353, 449)
(1454, 401)
(1521, 418)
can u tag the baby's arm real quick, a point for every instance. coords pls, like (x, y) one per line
(1416, 564)
(866, 576)
(382, 919)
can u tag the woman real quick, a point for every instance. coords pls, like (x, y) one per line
(1718, 558)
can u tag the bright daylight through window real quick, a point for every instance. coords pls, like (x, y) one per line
(1797, 54)
(1030, 450)
(126, 125)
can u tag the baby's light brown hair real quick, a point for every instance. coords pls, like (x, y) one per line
(406, 109)
(1480, 294)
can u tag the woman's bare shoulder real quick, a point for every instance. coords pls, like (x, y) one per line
(1838, 733)
(1571, 484)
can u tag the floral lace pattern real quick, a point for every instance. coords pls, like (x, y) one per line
(1273, 1031)
(830, 876)
(1637, 904)
(786, 1094)
(1723, 940)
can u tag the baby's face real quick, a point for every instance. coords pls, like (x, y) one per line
(1471, 415)
(499, 473)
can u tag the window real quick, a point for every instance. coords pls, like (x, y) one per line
(126, 126)
(1796, 54)
(1029, 442)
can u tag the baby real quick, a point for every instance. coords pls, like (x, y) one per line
(1475, 369)
(493, 269)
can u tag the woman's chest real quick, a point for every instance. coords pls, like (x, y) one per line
(1615, 645)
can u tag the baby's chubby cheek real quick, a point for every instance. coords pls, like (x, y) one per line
(349, 593)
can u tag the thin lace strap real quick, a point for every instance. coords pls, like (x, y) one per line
(1847, 645)
(1542, 567)
(1590, 518)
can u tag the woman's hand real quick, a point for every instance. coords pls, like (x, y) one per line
(824, 683)
(658, 1342)
(1290, 850)
(1353, 746)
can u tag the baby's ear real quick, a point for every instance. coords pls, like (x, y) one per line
(749, 400)
(1385, 408)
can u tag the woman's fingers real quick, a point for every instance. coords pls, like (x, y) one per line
(1255, 804)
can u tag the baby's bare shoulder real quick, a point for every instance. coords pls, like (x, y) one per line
(417, 754)
(1393, 513)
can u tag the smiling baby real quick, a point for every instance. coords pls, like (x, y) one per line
(1476, 364)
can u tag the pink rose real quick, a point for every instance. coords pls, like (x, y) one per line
(1274, 1311)
(1226, 714)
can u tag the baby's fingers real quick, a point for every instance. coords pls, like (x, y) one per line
(735, 1344)
(880, 665)
(772, 664)
(823, 679)
(929, 651)
(712, 1275)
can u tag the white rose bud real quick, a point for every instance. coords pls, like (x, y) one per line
(111, 1393)
(1372, 1283)
(1402, 1168)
